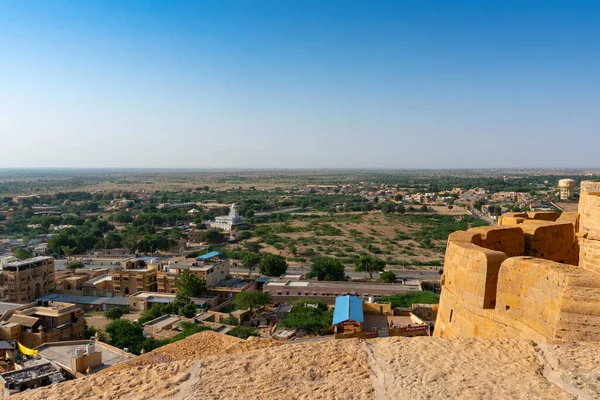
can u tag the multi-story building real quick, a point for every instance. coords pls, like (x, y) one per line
(211, 267)
(27, 280)
(34, 324)
(136, 275)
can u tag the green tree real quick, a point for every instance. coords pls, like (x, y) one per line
(114, 313)
(251, 299)
(243, 332)
(21, 254)
(251, 261)
(67, 250)
(125, 335)
(327, 269)
(74, 265)
(252, 246)
(190, 285)
(130, 239)
(212, 236)
(182, 305)
(272, 265)
(369, 264)
(312, 320)
(388, 277)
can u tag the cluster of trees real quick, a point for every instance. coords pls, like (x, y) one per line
(93, 233)
(251, 299)
(267, 264)
(388, 208)
(312, 320)
(130, 335)
(327, 269)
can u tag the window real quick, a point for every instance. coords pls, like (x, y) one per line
(278, 293)
(287, 293)
(314, 293)
(125, 279)
(306, 293)
(117, 287)
(299, 293)
(451, 313)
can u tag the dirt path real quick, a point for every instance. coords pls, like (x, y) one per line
(551, 371)
(378, 377)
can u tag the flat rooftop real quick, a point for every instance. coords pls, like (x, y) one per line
(31, 260)
(4, 307)
(345, 285)
(62, 353)
(234, 283)
(116, 300)
(163, 321)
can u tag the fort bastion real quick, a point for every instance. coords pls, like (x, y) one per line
(533, 276)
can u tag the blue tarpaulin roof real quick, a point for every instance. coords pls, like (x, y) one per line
(208, 255)
(348, 308)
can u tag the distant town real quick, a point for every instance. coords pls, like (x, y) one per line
(97, 270)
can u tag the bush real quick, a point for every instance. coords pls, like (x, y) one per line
(388, 277)
(408, 299)
(229, 321)
(114, 313)
(243, 332)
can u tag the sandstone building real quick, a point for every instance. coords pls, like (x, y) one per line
(27, 280)
(535, 276)
(34, 324)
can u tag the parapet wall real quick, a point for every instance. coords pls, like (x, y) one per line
(535, 276)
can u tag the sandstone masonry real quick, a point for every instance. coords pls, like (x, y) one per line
(534, 276)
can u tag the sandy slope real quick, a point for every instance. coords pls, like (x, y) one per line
(390, 368)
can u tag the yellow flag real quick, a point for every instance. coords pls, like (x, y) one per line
(27, 351)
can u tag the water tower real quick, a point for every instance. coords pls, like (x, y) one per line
(567, 188)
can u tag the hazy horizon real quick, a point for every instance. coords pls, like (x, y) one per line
(276, 85)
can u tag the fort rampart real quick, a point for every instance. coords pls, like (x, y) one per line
(534, 276)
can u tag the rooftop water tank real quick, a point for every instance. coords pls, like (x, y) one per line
(78, 353)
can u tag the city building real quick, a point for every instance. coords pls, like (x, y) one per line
(37, 375)
(211, 267)
(137, 274)
(226, 289)
(195, 236)
(90, 303)
(27, 280)
(142, 301)
(228, 222)
(536, 276)
(98, 286)
(42, 322)
(284, 290)
(567, 188)
(80, 356)
(353, 317)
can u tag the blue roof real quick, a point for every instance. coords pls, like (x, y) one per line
(208, 255)
(348, 308)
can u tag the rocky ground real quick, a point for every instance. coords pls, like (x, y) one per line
(212, 366)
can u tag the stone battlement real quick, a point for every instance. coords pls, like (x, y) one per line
(534, 276)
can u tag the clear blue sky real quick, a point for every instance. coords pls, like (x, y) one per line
(300, 84)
